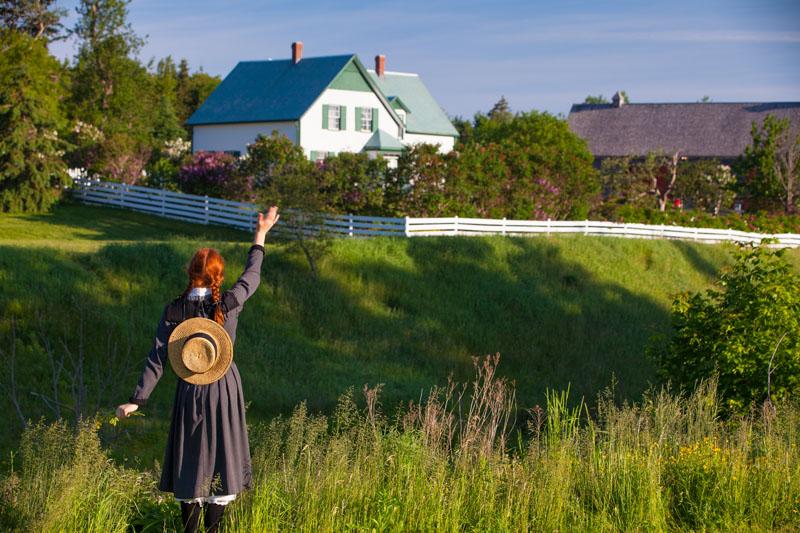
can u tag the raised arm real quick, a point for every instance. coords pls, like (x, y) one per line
(248, 282)
(153, 369)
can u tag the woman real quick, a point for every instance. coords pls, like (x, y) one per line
(207, 458)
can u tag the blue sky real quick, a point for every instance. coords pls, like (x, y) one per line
(539, 55)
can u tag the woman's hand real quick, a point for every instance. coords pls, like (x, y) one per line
(265, 223)
(125, 410)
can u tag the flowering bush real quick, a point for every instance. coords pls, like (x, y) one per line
(214, 174)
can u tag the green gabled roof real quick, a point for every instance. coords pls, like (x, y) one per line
(397, 103)
(425, 116)
(383, 142)
(266, 91)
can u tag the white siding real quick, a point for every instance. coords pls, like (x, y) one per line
(236, 137)
(313, 137)
(445, 142)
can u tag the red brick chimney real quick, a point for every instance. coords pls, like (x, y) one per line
(297, 51)
(380, 65)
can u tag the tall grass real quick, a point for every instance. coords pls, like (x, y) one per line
(667, 463)
(64, 481)
(454, 462)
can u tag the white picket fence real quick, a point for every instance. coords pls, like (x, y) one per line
(242, 215)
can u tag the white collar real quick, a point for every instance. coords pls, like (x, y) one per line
(198, 293)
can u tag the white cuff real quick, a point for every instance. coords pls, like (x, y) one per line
(216, 500)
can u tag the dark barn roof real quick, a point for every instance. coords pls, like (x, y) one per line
(720, 130)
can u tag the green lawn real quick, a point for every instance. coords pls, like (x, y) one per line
(561, 311)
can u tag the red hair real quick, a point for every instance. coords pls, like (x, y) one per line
(207, 269)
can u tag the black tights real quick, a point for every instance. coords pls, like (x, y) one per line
(191, 516)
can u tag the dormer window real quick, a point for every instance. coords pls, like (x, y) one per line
(402, 115)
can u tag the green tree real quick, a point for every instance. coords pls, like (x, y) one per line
(281, 175)
(419, 186)
(501, 111)
(111, 91)
(771, 165)
(353, 183)
(167, 125)
(32, 171)
(747, 331)
(464, 128)
(38, 18)
(550, 162)
(192, 90)
(599, 99)
(705, 184)
(648, 181)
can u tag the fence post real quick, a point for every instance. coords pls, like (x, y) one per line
(122, 190)
(205, 210)
(548, 227)
(163, 202)
(350, 224)
(586, 227)
(405, 227)
(455, 225)
(503, 227)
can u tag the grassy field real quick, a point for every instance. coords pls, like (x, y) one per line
(84, 286)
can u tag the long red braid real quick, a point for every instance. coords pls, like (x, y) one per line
(207, 269)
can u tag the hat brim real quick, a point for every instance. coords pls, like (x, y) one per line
(179, 337)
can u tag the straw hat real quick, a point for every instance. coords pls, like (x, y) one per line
(200, 351)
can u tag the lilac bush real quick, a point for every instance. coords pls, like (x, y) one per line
(215, 174)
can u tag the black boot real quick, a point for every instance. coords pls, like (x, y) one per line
(191, 516)
(213, 517)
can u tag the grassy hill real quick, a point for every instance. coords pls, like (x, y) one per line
(84, 286)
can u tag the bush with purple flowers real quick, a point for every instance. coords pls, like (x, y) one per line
(215, 174)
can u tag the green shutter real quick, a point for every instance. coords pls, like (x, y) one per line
(314, 155)
(324, 116)
(342, 117)
(374, 118)
(358, 119)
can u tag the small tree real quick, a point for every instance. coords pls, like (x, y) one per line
(706, 185)
(281, 175)
(640, 181)
(747, 331)
(771, 165)
(32, 170)
(501, 111)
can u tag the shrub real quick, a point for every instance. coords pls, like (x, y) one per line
(354, 183)
(214, 174)
(747, 331)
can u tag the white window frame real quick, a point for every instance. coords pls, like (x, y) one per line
(334, 117)
(366, 118)
(402, 115)
(321, 156)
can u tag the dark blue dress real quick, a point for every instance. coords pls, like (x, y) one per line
(207, 451)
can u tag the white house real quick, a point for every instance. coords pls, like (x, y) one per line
(325, 104)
